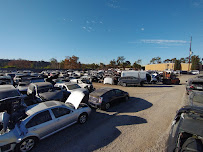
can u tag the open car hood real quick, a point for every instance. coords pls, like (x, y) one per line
(75, 98)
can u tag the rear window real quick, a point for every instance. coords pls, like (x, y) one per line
(8, 93)
(72, 87)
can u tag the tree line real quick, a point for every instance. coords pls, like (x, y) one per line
(74, 63)
(194, 60)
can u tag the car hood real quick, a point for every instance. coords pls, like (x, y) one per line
(52, 95)
(192, 125)
(75, 98)
(81, 90)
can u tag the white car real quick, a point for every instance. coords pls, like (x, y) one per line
(72, 87)
(195, 72)
(83, 83)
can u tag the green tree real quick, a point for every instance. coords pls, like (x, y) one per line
(137, 65)
(112, 63)
(54, 63)
(177, 65)
(195, 60)
(120, 60)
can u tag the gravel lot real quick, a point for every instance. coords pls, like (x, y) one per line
(141, 124)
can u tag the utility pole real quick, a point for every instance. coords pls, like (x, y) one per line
(190, 53)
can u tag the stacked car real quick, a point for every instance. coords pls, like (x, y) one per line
(187, 128)
(39, 105)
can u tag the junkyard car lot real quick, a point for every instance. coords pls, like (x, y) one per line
(140, 124)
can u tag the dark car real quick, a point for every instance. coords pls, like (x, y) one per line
(130, 80)
(196, 98)
(194, 84)
(103, 98)
(187, 130)
(45, 91)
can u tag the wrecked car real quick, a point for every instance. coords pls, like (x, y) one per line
(104, 98)
(196, 98)
(40, 121)
(194, 84)
(71, 87)
(186, 132)
(83, 83)
(45, 91)
(23, 85)
(130, 80)
(6, 80)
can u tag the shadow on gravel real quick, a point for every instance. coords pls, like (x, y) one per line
(99, 131)
(132, 105)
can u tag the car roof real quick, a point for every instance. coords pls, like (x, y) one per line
(68, 83)
(40, 84)
(7, 87)
(42, 106)
(100, 91)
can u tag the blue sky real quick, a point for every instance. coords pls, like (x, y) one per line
(100, 30)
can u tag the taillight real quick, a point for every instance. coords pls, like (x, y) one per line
(191, 87)
(100, 99)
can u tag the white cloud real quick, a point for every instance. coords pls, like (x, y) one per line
(164, 41)
(142, 29)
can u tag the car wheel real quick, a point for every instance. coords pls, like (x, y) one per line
(107, 106)
(26, 144)
(142, 84)
(124, 84)
(192, 144)
(82, 118)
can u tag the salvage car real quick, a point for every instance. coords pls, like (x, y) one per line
(9, 95)
(196, 98)
(6, 80)
(186, 132)
(45, 91)
(71, 87)
(194, 84)
(104, 98)
(83, 83)
(40, 121)
(130, 80)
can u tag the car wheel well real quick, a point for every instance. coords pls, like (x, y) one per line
(17, 147)
(84, 113)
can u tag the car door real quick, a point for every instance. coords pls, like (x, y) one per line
(119, 94)
(135, 80)
(63, 117)
(41, 124)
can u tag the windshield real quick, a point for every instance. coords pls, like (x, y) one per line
(198, 98)
(86, 81)
(8, 93)
(73, 86)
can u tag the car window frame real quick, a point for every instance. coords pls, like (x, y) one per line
(36, 115)
(61, 115)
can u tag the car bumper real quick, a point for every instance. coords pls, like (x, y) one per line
(7, 147)
(94, 105)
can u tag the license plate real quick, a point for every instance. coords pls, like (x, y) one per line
(199, 87)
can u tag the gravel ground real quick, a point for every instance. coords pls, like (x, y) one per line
(141, 124)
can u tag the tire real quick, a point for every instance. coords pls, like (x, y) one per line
(192, 144)
(82, 118)
(124, 84)
(107, 106)
(141, 83)
(26, 144)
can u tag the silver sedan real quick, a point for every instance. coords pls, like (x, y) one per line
(43, 120)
